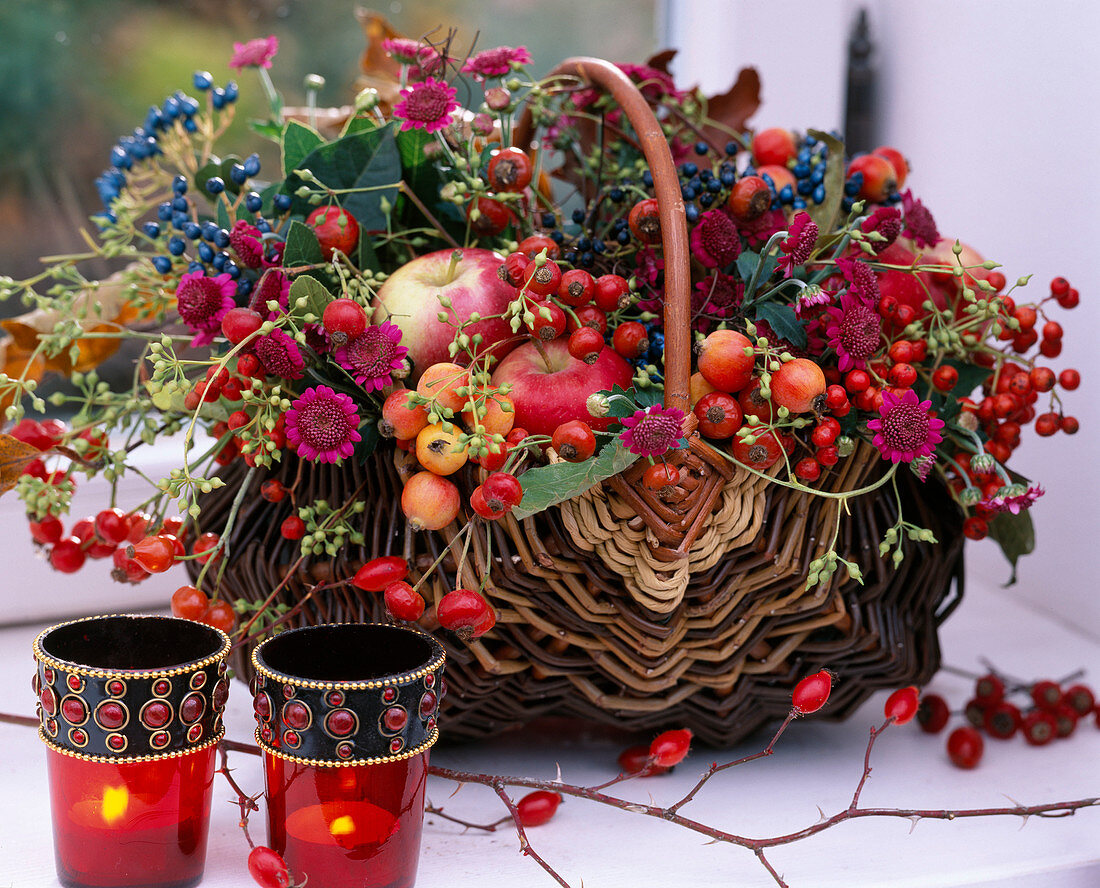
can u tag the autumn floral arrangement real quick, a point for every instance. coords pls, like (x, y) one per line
(406, 272)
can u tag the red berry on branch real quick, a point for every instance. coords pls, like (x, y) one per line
(466, 613)
(547, 328)
(1046, 694)
(630, 340)
(670, 748)
(719, 415)
(750, 198)
(67, 555)
(378, 573)
(660, 476)
(1059, 287)
(1002, 720)
(47, 531)
(220, 615)
(267, 868)
(504, 487)
(612, 292)
(156, 554)
(902, 705)
(965, 747)
(1070, 425)
(403, 602)
(189, 603)
(510, 169)
(989, 689)
(273, 490)
(542, 280)
(589, 316)
(203, 545)
(343, 319)
(933, 713)
(975, 528)
(1040, 727)
(240, 323)
(812, 692)
(531, 246)
(292, 528)
(112, 526)
(481, 506)
(576, 288)
(585, 344)
(1069, 379)
(645, 221)
(537, 808)
(514, 269)
(1081, 698)
(635, 760)
(335, 230)
(574, 441)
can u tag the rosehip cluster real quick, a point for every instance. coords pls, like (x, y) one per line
(1052, 712)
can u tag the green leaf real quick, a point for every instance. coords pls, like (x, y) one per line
(417, 169)
(546, 486)
(298, 141)
(224, 168)
(268, 129)
(222, 212)
(825, 214)
(210, 169)
(369, 437)
(1015, 534)
(625, 401)
(782, 319)
(315, 293)
(746, 264)
(302, 247)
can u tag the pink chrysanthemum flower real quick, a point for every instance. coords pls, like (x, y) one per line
(496, 62)
(245, 239)
(273, 286)
(652, 83)
(202, 303)
(427, 106)
(854, 331)
(322, 425)
(861, 279)
(653, 431)
(279, 355)
(1015, 498)
(373, 355)
(906, 428)
(256, 53)
(799, 243)
(887, 222)
(714, 239)
(403, 50)
(919, 224)
(808, 297)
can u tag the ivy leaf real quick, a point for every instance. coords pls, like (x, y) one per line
(546, 486)
(782, 319)
(298, 141)
(315, 293)
(825, 213)
(302, 247)
(1015, 534)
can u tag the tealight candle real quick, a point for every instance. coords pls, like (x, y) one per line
(130, 710)
(346, 715)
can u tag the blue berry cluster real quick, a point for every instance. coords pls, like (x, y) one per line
(143, 142)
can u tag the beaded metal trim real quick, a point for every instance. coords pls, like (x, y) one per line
(130, 759)
(322, 763)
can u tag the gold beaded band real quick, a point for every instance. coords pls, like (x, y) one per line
(374, 760)
(130, 759)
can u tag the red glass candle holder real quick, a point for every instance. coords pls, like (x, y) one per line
(130, 710)
(346, 715)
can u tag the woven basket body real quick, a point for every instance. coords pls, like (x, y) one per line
(624, 607)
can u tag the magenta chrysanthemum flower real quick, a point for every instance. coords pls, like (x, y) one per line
(403, 50)
(256, 53)
(714, 240)
(854, 330)
(427, 106)
(245, 239)
(373, 355)
(202, 303)
(1015, 498)
(496, 62)
(887, 222)
(274, 285)
(799, 243)
(279, 355)
(906, 427)
(919, 224)
(322, 425)
(861, 279)
(809, 297)
(653, 431)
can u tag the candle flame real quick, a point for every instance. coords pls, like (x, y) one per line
(342, 826)
(116, 799)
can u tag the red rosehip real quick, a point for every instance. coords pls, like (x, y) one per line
(645, 221)
(403, 602)
(574, 441)
(670, 748)
(1040, 727)
(67, 555)
(378, 573)
(585, 344)
(240, 323)
(630, 340)
(292, 528)
(635, 760)
(965, 747)
(343, 319)
(537, 808)
(576, 288)
(267, 868)
(189, 603)
(812, 692)
(933, 713)
(510, 169)
(466, 613)
(1002, 720)
(902, 705)
(335, 229)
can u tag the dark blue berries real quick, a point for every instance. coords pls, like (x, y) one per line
(203, 80)
(162, 264)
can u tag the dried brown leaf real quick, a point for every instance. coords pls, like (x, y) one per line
(734, 107)
(15, 456)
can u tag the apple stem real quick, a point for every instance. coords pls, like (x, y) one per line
(542, 351)
(456, 257)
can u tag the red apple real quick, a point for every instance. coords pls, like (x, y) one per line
(410, 299)
(546, 396)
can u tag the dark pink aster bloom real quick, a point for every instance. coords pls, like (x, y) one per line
(279, 355)
(906, 427)
(652, 84)
(322, 425)
(809, 297)
(887, 222)
(496, 62)
(653, 431)
(202, 303)
(714, 239)
(854, 330)
(1015, 498)
(861, 279)
(273, 286)
(245, 239)
(427, 106)
(256, 53)
(403, 50)
(373, 355)
(799, 243)
(919, 224)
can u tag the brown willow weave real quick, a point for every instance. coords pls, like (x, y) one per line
(622, 606)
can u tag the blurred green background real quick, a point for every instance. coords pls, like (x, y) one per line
(76, 74)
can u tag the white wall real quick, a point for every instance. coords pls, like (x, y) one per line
(995, 104)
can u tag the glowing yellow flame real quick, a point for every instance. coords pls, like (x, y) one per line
(342, 826)
(116, 799)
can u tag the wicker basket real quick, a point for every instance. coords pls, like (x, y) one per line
(619, 607)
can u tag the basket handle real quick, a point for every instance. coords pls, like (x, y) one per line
(674, 236)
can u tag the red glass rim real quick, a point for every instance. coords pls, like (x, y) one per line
(131, 645)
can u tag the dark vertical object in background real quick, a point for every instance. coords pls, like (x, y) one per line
(860, 97)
